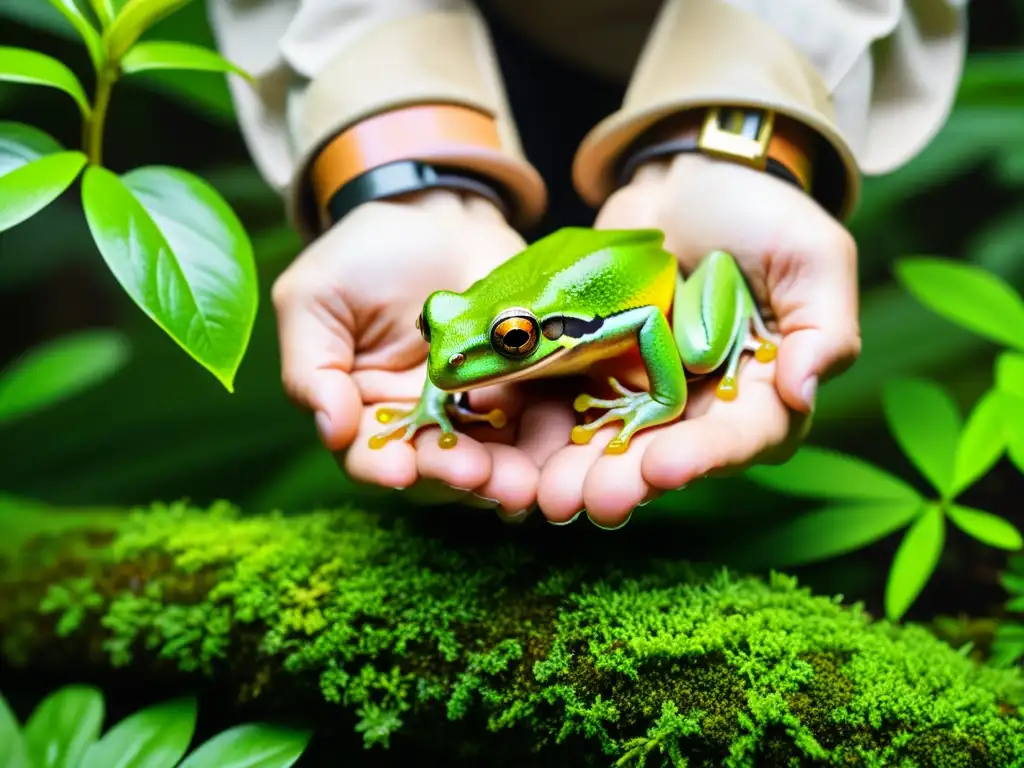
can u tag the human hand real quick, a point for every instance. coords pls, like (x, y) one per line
(802, 268)
(346, 311)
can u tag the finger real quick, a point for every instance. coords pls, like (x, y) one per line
(512, 485)
(464, 466)
(427, 492)
(730, 435)
(380, 386)
(815, 300)
(393, 466)
(316, 357)
(615, 486)
(562, 478)
(544, 429)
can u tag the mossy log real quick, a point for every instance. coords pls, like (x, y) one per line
(503, 653)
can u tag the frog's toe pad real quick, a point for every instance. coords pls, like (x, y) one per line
(388, 415)
(581, 435)
(617, 445)
(766, 351)
(381, 439)
(727, 388)
(447, 440)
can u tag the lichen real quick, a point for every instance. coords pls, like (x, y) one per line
(482, 644)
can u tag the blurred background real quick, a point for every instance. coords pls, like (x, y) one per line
(164, 429)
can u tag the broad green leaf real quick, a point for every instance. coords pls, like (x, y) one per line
(1014, 410)
(183, 257)
(64, 725)
(83, 26)
(25, 191)
(1015, 605)
(156, 737)
(915, 561)
(985, 527)
(925, 422)
(967, 295)
(826, 533)
(982, 441)
(158, 54)
(134, 19)
(822, 473)
(13, 753)
(20, 144)
(250, 746)
(60, 369)
(1010, 373)
(20, 65)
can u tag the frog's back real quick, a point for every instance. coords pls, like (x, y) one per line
(594, 271)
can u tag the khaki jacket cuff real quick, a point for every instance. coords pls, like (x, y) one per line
(429, 58)
(704, 53)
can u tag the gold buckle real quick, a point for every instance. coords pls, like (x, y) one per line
(738, 134)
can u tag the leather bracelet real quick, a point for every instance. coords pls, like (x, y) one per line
(746, 136)
(405, 177)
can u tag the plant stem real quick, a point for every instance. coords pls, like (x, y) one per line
(92, 133)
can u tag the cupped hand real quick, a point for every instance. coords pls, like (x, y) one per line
(346, 311)
(801, 265)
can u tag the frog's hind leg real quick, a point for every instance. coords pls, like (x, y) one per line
(759, 340)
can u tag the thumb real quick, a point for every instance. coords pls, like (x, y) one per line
(316, 360)
(818, 318)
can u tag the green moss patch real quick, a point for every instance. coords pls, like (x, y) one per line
(504, 651)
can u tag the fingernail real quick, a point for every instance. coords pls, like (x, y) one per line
(512, 518)
(572, 519)
(457, 488)
(652, 495)
(480, 502)
(615, 528)
(682, 487)
(323, 425)
(809, 391)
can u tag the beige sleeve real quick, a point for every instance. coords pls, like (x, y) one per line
(874, 78)
(324, 65)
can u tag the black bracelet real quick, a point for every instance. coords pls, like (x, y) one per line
(406, 176)
(684, 146)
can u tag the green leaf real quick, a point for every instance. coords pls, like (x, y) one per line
(156, 737)
(59, 370)
(157, 54)
(1014, 409)
(20, 144)
(105, 11)
(13, 753)
(821, 473)
(925, 422)
(1015, 605)
(64, 725)
(915, 561)
(134, 19)
(826, 533)
(982, 441)
(183, 257)
(93, 43)
(985, 527)
(28, 190)
(20, 65)
(968, 295)
(1010, 373)
(250, 746)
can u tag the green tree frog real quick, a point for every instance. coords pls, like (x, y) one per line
(571, 299)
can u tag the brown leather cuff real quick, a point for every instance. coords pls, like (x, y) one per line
(759, 139)
(448, 135)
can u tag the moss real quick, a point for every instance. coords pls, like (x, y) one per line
(511, 651)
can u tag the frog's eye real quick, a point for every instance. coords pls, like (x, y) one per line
(423, 327)
(514, 333)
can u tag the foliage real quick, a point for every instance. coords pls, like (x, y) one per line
(986, 305)
(172, 242)
(64, 732)
(59, 370)
(868, 503)
(1008, 644)
(489, 649)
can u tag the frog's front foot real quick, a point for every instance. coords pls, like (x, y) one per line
(636, 411)
(405, 424)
